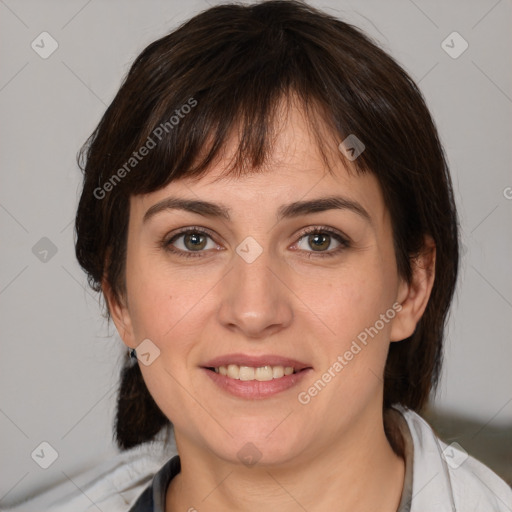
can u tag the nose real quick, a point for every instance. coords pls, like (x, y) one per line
(255, 300)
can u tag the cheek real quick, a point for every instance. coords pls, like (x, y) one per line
(163, 303)
(356, 311)
(150, 303)
(163, 308)
(158, 312)
(351, 300)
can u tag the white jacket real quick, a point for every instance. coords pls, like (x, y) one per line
(445, 479)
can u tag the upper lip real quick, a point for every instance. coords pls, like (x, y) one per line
(255, 361)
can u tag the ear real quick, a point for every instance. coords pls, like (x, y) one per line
(120, 314)
(414, 296)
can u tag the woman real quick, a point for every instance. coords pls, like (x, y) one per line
(268, 212)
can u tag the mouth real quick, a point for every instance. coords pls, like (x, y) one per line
(255, 377)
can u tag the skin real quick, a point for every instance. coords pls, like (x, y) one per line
(329, 454)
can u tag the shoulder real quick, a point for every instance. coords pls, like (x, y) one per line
(447, 479)
(113, 485)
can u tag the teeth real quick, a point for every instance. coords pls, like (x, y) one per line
(233, 371)
(262, 373)
(277, 372)
(246, 373)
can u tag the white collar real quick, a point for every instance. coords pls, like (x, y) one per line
(446, 478)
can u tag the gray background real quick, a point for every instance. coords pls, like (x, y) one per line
(60, 359)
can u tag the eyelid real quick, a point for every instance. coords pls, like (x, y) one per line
(324, 229)
(188, 229)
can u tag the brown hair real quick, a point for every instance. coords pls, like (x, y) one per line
(231, 65)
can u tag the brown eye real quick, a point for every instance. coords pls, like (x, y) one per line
(194, 241)
(190, 242)
(320, 241)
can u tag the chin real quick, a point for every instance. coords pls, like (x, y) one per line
(258, 441)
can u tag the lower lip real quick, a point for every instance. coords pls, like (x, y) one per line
(255, 389)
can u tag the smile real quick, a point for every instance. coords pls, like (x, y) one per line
(255, 376)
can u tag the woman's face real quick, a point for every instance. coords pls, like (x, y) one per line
(256, 295)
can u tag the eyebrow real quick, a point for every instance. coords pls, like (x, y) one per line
(287, 211)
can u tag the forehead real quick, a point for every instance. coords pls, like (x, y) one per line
(296, 169)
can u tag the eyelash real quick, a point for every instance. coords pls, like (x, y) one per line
(344, 243)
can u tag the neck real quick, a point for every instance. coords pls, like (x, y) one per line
(360, 472)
